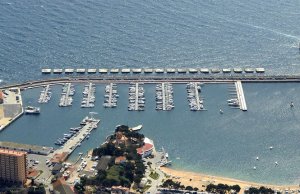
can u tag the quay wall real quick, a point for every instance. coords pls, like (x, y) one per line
(157, 79)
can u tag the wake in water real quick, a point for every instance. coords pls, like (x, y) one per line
(266, 29)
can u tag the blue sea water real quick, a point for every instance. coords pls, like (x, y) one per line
(132, 33)
(208, 142)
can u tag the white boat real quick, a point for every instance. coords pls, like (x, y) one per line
(32, 110)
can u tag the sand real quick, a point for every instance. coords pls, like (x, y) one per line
(201, 180)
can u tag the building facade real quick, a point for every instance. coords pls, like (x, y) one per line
(13, 165)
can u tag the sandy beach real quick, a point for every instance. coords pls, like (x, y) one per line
(201, 180)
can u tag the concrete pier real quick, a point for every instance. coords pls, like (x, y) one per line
(45, 95)
(74, 142)
(88, 96)
(240, 95)
(111, 96)
(66, 99)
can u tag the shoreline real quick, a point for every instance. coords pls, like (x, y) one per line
(200, 180)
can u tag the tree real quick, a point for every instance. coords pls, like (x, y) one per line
(237, 188)
(189, 188)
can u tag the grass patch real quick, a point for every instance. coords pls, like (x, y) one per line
(154, 175)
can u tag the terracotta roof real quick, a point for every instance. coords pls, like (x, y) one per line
(146, 147)
(120, 159)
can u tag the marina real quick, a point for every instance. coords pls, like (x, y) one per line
(196, 130)
(66, 96)
(195, 102)
(45, 95)
(164, 97)
(136, 97)
(88, 96)
(111, 96)
(72, 140)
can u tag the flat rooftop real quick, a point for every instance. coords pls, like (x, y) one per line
(11, 152)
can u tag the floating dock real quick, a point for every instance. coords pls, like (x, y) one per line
(226, 70)
(69, 71)
(170, 70)
(57, 71)
(181, 70)
(88, 96)
(125, 70)
(66, 96)
(204, 70)
(136, 97)
(193, 70)
(110, 96)
(103, 71)
(195, 102)
(92, 70)
(137, 70)
(164, 97)
(80, 70)
(46, 71)
(150, 70)
(114, 71)
(240, 95)
(237, 70)
(260, 70)
(45, 95)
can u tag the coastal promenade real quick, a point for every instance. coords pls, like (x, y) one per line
(159, 79)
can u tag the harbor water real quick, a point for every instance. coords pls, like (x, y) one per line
(203, 141)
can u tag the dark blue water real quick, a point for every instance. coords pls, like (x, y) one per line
(132, 33)
(208, 142)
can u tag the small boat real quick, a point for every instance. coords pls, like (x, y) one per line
(221, 111)
(257, 158)
(276, 163)
(254, 168)
(32, 110)
(271, 147)
(292, 105)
